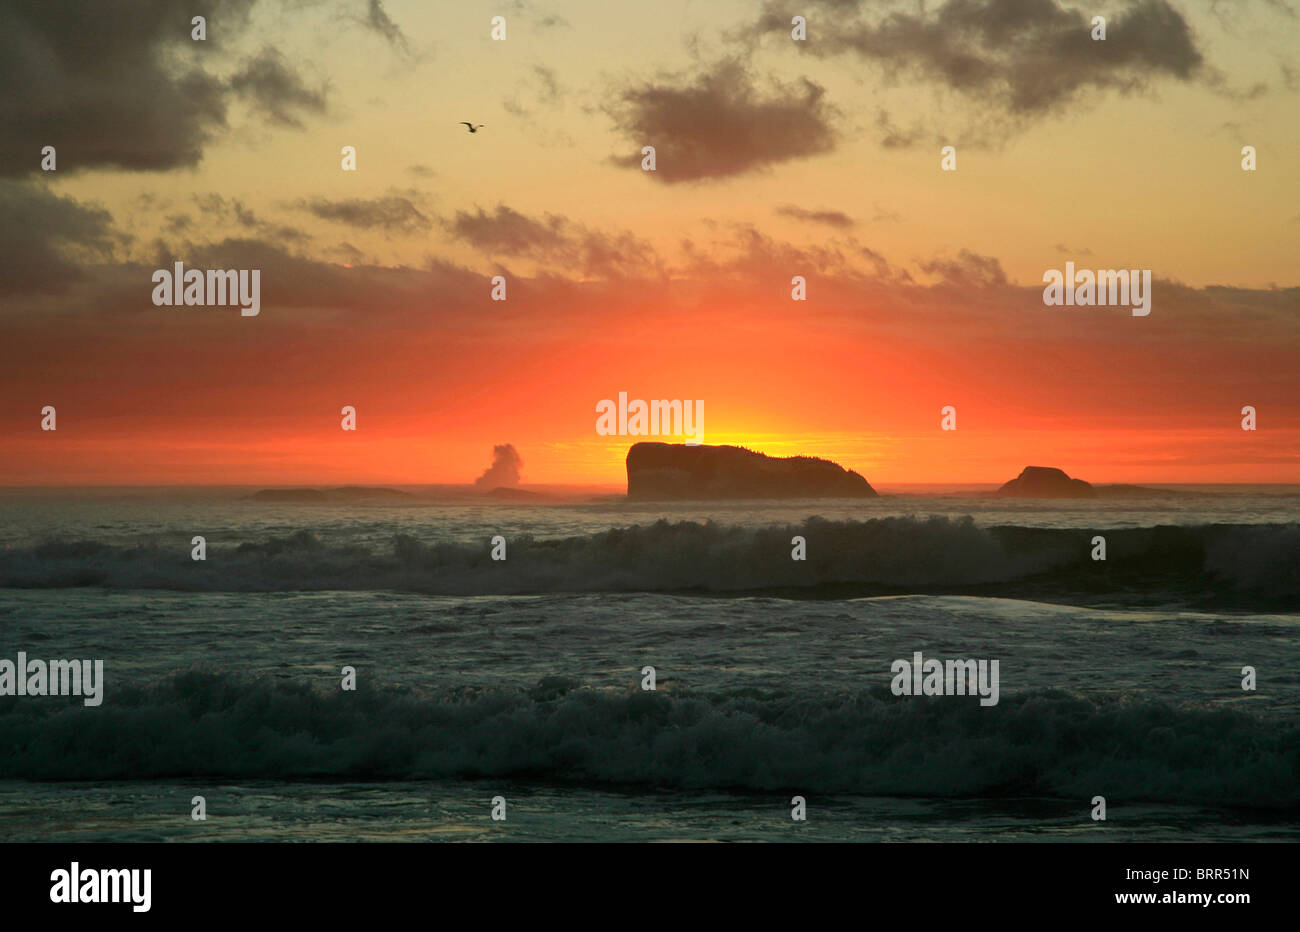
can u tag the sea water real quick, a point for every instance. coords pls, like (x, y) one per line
(523, 678)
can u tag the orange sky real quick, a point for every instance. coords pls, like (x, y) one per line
(267, 410)
(924, 287)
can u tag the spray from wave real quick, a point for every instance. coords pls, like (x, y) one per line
(505, 469)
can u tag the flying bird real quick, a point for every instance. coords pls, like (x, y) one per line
(472, 127)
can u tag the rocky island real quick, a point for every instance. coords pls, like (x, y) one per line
(1050, 482)
(1046, 482)
(665, 471)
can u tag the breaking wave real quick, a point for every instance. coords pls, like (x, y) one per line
(1042, 743)
(1250, 566)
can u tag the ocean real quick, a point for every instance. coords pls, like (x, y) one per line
(521, 680)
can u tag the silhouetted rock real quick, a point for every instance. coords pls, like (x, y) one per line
(1046, 482)
(678, 471)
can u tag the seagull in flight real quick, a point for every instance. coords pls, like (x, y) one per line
(472, 127)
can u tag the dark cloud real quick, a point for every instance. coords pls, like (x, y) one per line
(125, 87)
(968, 270)
(109, 86)
(720, 124)
(268, 83)
(1026, 58)
(46, 239)
(508, 232)
(504, 471)
(557, 241)
(832, 218)
(391, 214)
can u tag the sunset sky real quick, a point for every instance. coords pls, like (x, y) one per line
(775, 158)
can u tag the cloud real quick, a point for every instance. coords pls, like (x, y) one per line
(276, 90)
(299, 281)
(226, 208)
(62, 259)
(325, 323)
(557, 241)
(719, 123)
(45, 239)
(885, 215)
(968, 270)
(525, 11)
(220, 211)
(543, 89)
(110, 87)
(547, 87)
(348, 254)
(508, 232)
(744, 254)
(391, 214)
(378, 21)
(178, 223)
(892, 137)
(504, 470)
(1023, 58)
(832, 218)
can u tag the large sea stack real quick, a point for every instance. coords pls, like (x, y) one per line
(660, 471)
